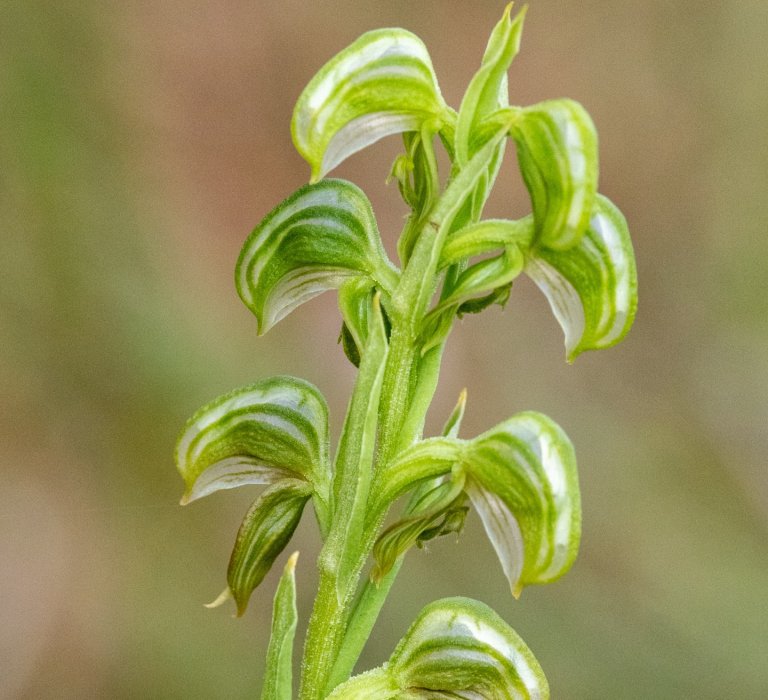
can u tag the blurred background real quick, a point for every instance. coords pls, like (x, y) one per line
(139, 144)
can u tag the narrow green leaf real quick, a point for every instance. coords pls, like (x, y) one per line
(459, 645)
(263, 534)
(522, 480)
(453, 424)
(487, 92)
(278, 676)
(591, 287)
(557, 153)
(317, 239)
(381, 84)
(260, 434)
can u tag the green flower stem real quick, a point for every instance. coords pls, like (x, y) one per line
(374, 595)
(329, 620)
(324, 635)
(362, 621)
(343, 557)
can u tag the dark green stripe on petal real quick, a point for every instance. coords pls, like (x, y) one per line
(456, 648)
(321, 236)
(522, 480)
(263, 534)
(459, 644)
(381, 84)
(264, 432)
(557, 153)
(591, 287)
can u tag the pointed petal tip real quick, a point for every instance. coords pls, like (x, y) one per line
(290, 565)
(517, 590)
(572, 352)
(186, 499)
(222, 598)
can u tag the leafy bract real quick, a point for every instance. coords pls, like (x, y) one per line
(381, 84)
(592, 286)
(263, 534)
(487, 92)
(417, 176)
(321, 236)
(278, 674)
(557, 153)
(456, 648)
(484, 108)
(453, 424)
(355, 298)
(485, 276)
(438, 510)
(273, 429)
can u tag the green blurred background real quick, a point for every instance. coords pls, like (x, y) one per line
(141, 141)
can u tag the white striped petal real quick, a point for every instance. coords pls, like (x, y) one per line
(381, 84)
(259, 434)
(460, 645)
(321, 236)
(456, 648)
(502, 530)
(591, 287)
(525, 488)
(557, 153)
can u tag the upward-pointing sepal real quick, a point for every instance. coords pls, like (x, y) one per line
(487, 92)
(381, 84)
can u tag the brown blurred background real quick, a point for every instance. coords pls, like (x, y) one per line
(141, 141)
